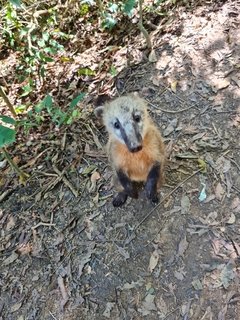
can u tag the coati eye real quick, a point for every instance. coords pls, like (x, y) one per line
(137, 118)
(116, 125)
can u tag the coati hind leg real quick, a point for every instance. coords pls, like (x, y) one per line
(125, 188)
(152, 182)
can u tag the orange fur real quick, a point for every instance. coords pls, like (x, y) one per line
(137, 165)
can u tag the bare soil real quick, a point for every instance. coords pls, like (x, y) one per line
(67, 257)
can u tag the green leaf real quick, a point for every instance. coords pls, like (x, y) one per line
(76, 100)
(45, 36)
(48, 59)
(27, 89)
(41, 43)
(113, 71)
(7, 119)
(86, 72)
(113, 8)
(128, 6)
(47, 102)
(16, 3)
(109, 22)
(7, 136)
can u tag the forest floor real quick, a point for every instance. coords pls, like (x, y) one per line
(77, 257)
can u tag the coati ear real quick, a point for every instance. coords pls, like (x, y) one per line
(99, 105)
(98, 111)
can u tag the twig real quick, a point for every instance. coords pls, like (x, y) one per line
(5, 194)
(167, 196)
(23, 176)
(233, 161)
(141, 27)
(30, 46)
(169, 111)
(7, 101)
(52, 315)
(43, 224)
(65, 180)
(171, 312)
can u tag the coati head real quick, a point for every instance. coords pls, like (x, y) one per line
(125, 119)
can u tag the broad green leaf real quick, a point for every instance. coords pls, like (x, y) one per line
(16, 3)
(27, 89)
(76, 100)
(113, 71)
(45, 103)
(128, 6)
(86, 72)
(109, 22)
(7, 119)
(45, 36)
(48, 103)
(41, 43)
(7, 136)
(113, 8)
(21, 108)
(48, 59)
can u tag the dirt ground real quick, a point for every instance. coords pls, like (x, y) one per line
(67, 257)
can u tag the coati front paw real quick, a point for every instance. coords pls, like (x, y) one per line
(119, 199)
(151, 193)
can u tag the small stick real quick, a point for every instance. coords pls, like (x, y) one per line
(65, 180)
(7, 101)
(43, 224)
(141, 27)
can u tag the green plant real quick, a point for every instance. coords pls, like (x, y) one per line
(34, 36)
(109, 11)
(7, 134)
(56, 114)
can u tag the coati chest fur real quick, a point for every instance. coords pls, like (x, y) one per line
(135, 147)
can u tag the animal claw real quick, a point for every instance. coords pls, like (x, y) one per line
(119, 199)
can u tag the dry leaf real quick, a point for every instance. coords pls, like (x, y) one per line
(148, 305)
(232, 219)
(220, 84)
(10, 224)
(152, 56)
(197, 285)
(123, 252)
(107, 311)
(185, 205)
(182, 247)
(94, 178)
(16, 307)
(10, 259)
(235, 206)
(24, 249)
(179, 275)
(219, 191)
(236, 80)
(63, 291)
(174, 86)
(227, 274)
(153, 260)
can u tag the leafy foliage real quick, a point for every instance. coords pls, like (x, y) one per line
(7, 135)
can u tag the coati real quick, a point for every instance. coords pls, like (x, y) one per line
(135, 147)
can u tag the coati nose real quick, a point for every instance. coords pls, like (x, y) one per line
(136, 149)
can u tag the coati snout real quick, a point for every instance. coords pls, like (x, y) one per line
(135, 147)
